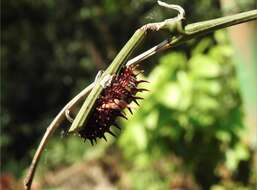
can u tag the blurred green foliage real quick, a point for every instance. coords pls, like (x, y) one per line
(193, 112)
(190, 123)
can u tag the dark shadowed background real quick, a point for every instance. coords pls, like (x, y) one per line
(195, 129)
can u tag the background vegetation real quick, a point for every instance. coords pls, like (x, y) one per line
(189, 132)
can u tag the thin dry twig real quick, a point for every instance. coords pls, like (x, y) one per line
(50, 130)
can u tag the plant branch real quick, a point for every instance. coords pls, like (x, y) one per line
(49, 131)
(173, 24)
(183, 34)
(218, 23)
(196, 29)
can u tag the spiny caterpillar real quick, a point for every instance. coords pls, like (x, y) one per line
(114, 98)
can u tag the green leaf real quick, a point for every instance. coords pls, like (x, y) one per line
(202, 46)
(204, 66)
(171, 95)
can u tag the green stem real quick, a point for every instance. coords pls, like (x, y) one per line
(223, 22)
(196, 29)
(126, 51)
(87, 106)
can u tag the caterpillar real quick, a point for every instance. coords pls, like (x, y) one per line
(111, 103)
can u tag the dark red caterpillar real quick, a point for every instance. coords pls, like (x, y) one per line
(114, 98)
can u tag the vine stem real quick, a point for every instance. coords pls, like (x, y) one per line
(60, 117)
(188, 32)
(196, 29)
